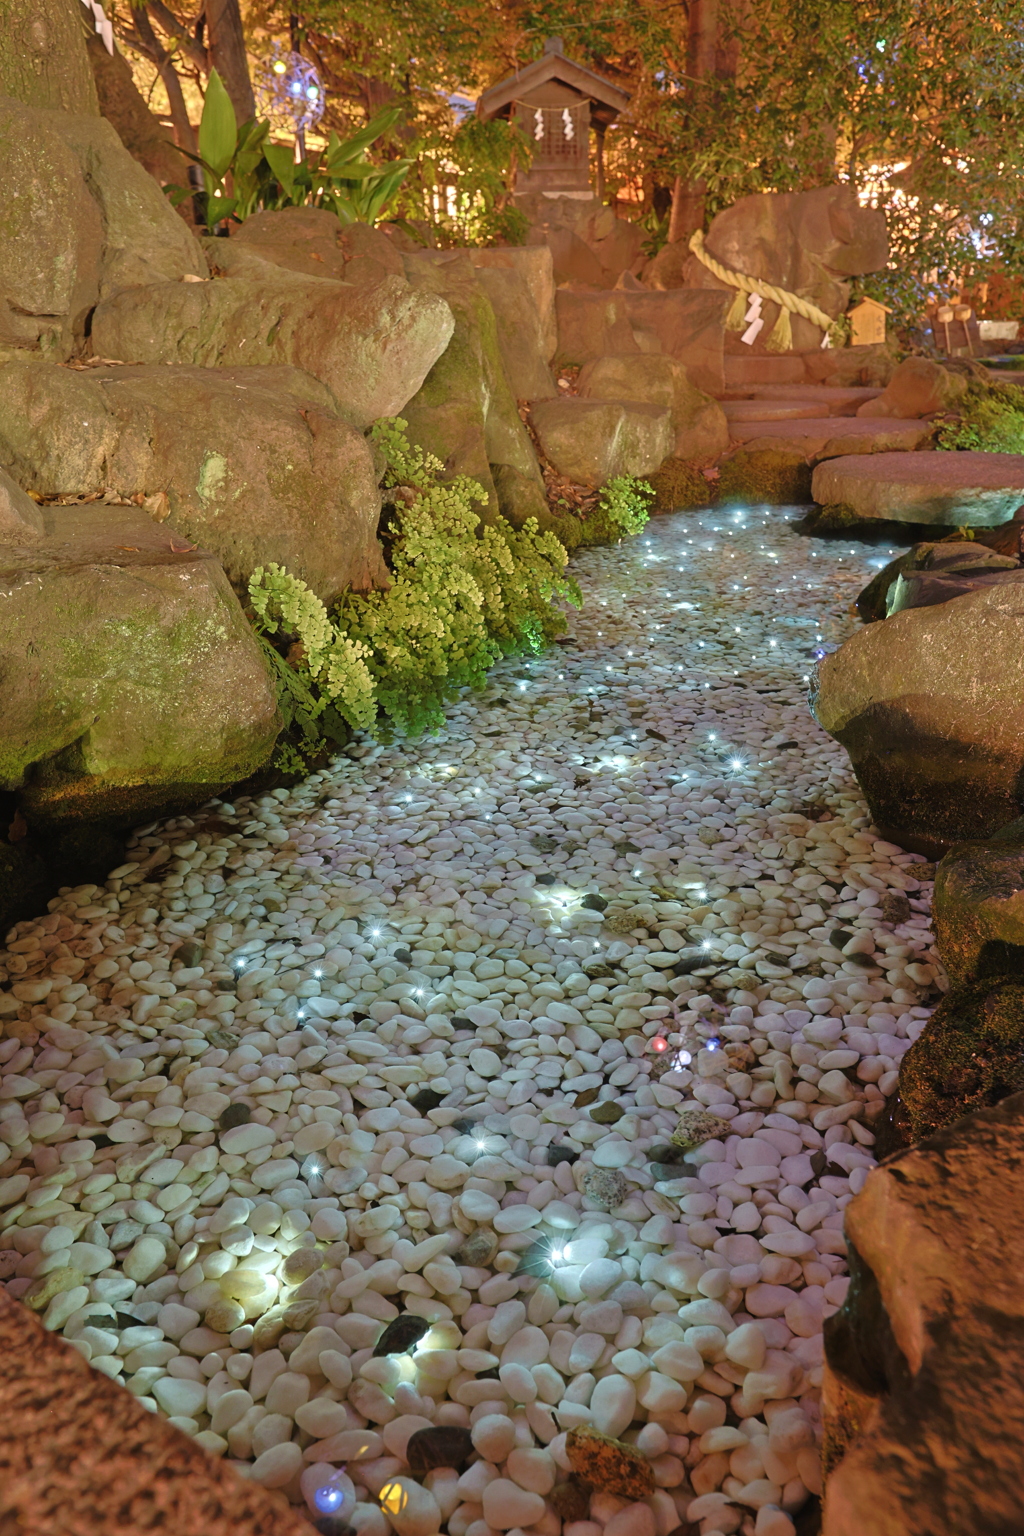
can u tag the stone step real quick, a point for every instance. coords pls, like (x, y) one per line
(829, 437)
(773, 410)
(841, 400)
(970, 490)
(784, 368)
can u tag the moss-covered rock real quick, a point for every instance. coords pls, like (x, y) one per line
(679, 486)
(978, 907)
(970, 1055)
(465, 412)
(132, 681)
(764, 477)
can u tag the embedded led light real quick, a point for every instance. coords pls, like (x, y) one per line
(328, 1499)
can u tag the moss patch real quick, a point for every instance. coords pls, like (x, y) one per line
(764, 476)
(679, 486)
(969, 1056)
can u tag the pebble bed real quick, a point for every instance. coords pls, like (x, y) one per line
(408, 1045)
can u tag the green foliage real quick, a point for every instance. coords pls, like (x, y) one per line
(679, 486)
(624, 503)
(991, 421)
(462, 597)
(243, 171)
(462, 180)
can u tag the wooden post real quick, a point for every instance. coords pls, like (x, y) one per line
(599, 131)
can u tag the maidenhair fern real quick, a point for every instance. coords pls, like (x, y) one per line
(461, 598)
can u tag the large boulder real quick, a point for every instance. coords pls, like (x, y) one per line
(932, 573)
(685, 324)
(315, 243)
(591, 441)
(700, 425)
(371, 344)
(587, 240)
(930, 707)
(81, 219)
(918, 387)
(922, 1393)
(519, 282)
(978, 907)
(465, 413)
(132, 680)
(254, 464)
(806, 242)
(970, 490)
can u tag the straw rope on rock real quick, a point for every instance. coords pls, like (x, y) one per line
(781, 337)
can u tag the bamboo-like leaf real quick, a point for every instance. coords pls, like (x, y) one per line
(218, 130)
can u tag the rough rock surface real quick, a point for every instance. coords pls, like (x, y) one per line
(81, 219)
(465, 411)
(945, 561)
(132, 679)
(253, 464)
(923, 1381)
(836, 437)
(918, 387)
(21, 521)
(701, 429)
(314, 242)
(519, 280)
(372, 344)
(979, 906)
(591, 441)
(685, 324)
(79, 1453)
(970, 490)
(587, 242)
(928, 705)
(806, 242)
(969, 1056)
(124, 106)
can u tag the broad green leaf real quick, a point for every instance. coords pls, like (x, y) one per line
(218, 208)
(218, 130)
(282, 162)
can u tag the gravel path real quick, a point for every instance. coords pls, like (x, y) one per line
(411, 1042)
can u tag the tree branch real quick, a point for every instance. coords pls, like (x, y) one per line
(179, 33)
(184, 134)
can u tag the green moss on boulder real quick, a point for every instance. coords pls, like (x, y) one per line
(679, 486)
(764, 476)
(970, 1055)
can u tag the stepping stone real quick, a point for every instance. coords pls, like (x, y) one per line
(841, 399)
(972, 490)
(772, 410)
(832, 436)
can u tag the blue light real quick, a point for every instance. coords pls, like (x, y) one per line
(329, 1498)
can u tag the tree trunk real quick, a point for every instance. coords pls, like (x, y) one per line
(123, 105)
(688, 196)
(43, 61)
(225, 43)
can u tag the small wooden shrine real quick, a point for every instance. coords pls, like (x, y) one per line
(556, 103)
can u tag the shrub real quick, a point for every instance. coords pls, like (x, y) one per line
(623, 506)
(461, 599)
(990, 421)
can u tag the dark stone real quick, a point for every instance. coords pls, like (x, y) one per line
(446, 1445)
(895, 907)
(588, 1096)
(969, 1056)
(400, 1336)
(556, 1155)
(459, 1021)
(425, 1100)
(819, 1163)
(189, 952)
(594, 902)
(665, 1153)
(839, 936)
(607, 1113)
(403, 956)
(571, 1500)
(463, 1126)
(546, 880)
(235, 1114)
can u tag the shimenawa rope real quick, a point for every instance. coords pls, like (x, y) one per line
(781, 337)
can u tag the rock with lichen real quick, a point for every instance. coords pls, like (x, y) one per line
(697, 1125)
(609, 1465)
(606, 1187)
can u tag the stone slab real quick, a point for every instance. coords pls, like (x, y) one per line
(841, 400)
(774, 410)
(972, 490)
(80, 1454)
(922, 1400)
(835, 437)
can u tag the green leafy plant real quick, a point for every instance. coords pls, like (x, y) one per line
(990, 421)
(625, 501)
(243, 171)
(462, 182)
(461, 598)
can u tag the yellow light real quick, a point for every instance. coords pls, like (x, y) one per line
(393, 1498)
(280, 67)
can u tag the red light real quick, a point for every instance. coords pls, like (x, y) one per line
(659, 1044)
